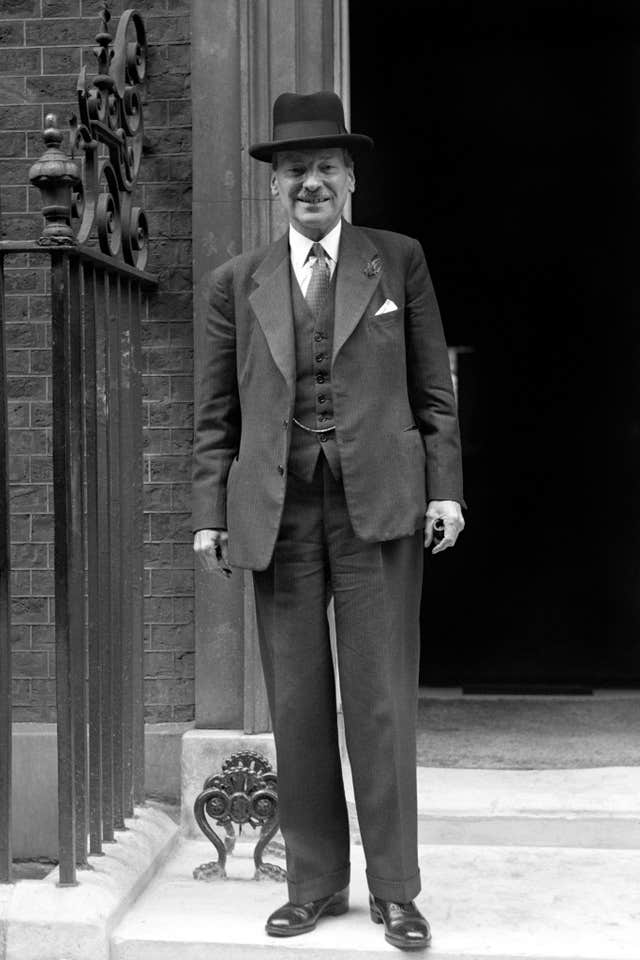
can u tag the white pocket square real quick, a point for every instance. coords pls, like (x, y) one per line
(386, 307)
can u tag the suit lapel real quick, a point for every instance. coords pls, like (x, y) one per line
(356, 282)
(271, 303)
(271, 300)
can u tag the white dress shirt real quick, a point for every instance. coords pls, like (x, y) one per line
(302, 263)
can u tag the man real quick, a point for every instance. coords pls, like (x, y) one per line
(325, 421)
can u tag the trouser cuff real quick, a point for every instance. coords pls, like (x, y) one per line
(324, 886)
(398, 891)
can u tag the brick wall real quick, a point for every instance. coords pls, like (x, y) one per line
(42, 45)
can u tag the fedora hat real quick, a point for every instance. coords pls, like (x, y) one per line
(308, 121)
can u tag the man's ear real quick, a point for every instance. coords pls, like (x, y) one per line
(351, 180)
(275, 191)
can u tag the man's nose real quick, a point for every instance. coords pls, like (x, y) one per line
(312, 181)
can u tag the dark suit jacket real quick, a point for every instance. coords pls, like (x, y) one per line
(396, 424)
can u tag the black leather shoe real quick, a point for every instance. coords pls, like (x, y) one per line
(405, 927)
(296, 918)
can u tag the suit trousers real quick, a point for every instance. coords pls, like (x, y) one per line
(376, 589)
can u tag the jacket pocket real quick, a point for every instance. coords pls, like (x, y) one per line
(380, 319)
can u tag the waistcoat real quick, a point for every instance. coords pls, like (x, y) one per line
(314, 399)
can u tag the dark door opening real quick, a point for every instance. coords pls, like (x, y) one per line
(505, 143)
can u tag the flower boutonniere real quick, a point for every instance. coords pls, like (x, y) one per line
(373, 267)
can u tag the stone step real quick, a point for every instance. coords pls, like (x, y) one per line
(582, 808)
(597, 807)
(493, 902)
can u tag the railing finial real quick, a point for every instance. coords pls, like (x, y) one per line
(90, 193)
(55, 175)
(52, 134)
(105, 13)
(103, 52)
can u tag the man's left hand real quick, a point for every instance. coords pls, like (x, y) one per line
(450, 513)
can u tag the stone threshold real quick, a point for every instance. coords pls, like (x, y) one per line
(597, 807)
(40, 920)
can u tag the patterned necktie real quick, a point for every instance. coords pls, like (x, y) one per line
(320, 280)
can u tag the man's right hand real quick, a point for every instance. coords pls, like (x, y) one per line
(212, 549)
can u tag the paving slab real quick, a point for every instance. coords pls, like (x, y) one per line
(499, 903)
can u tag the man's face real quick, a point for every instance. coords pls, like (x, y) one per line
(313, 186)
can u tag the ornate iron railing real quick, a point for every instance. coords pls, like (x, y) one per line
(94, 248)
(5, 622)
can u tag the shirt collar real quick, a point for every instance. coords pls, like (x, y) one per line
(300, 245)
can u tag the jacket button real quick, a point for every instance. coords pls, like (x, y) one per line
(321, 398)
(281, 470)
(323, 438)
(320, 378)
(317, 337)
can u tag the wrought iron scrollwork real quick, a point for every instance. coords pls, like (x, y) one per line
(245, 792)
(108, 136)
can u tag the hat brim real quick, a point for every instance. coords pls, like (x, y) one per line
(353, 141)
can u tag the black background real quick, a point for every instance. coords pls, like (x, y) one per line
(506, 142)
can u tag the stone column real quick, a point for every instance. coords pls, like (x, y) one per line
(244, 54)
